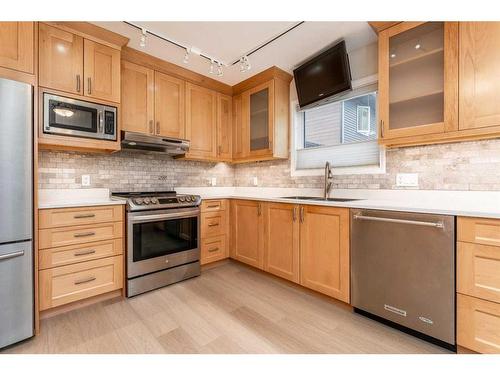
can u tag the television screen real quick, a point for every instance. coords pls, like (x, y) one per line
(323, 76)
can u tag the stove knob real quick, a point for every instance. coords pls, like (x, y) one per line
(193, 198)
(188, 199)
(154, 200)
(146, 200)
(138, 201)
(182, 199)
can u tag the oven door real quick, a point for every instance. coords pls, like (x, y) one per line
(157, 240)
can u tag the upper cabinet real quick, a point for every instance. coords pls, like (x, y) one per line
(414, 61)
(479, 72)
(169, 106)
(224, 127)
(261, 117)
(201, 122)
(17, 46)
(71, 63)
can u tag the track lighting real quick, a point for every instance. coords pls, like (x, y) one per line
(186, 57)
(211, 70)
(142, 43)
(244, 64)
(220, 73)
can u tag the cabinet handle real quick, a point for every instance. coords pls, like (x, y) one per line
(219, 150)
(78, 83)
(295, 214)
(83, 216)
(213, 206)
(87, 280)
(85, 252)
(213, 225)
(157, 127)
(259, 210)
(302, 214)
(86, 234)
(213, 249)
(270, 144)
(382, 128)
(151, 130)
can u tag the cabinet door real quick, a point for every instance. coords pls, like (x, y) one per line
(201, 122)
(60, 59)
(102, 71)
(169, 106)
(418, 84)
(248, 233)
(17, 46)
(224, 126)
(240, 135)
(281, 229)
(258, 110)
(479, 72)
(324, 250)
(137, 100)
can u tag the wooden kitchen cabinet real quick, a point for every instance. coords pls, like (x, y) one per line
(137, 99)
(281, 240)
(169, 106)
(324, 250)
(479, 71)
(247, 232)
(224, 127)
(60, 59)
(101, 68)
(201, 122)
(17, 46)
(71, 63)
(214, 230)
(418, 79)
(261, 117)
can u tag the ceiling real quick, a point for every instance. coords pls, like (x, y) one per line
(228, 41)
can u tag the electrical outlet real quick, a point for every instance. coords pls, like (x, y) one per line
(407, 179)
(214, 181)
(255, 181)
(85, 180)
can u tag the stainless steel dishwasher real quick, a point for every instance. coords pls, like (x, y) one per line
(403, 271)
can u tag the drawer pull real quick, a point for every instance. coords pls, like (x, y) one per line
(83, 216)
(213, 249)
(84, 281)
(213, 225)
(85, 252)
(12, 255)
(213, 206)
(86, 234)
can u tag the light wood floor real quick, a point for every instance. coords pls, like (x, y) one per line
(228, 309)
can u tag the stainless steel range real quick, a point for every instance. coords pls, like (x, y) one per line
(163, 231)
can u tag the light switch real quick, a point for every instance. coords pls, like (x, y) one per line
(85, 180)
(214, 181)
(255, 181)
(407, 179)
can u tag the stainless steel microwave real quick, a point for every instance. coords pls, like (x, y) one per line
(66, 116)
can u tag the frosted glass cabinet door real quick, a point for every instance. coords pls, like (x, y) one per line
(260, 117)
(414, 59)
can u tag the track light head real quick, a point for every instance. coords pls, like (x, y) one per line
(220, 73)
(186, 57)
(211, 70)
(142, 42)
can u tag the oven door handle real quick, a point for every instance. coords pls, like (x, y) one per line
(145, 218)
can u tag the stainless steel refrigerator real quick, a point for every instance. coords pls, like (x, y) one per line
(16, 212)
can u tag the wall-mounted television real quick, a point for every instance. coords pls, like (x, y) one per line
(323, 76)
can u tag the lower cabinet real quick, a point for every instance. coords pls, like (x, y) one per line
(247, 232)
(214, 230)
(281, 239)
(324, 250)
(304, 244)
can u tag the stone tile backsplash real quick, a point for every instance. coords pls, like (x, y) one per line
(454, 166)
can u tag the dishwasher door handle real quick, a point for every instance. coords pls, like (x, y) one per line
(438, 224)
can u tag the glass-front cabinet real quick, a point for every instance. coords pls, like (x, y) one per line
(259, 108)
(416, 95)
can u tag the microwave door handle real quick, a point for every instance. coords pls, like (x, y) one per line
(100, 122)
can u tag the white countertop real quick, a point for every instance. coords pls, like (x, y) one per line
(61, 198)
(458, 203)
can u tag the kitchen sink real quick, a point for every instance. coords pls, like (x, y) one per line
(322, 199)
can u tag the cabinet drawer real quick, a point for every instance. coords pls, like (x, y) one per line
(481, 231)
(64, 217)
(213, 224)
(213, 249)
(62, 256)
(66, 284)
(478, 324)
(55, 237)
(478, 271)
(213, 205)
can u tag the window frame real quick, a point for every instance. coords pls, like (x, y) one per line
(297, 122)
(362, 131)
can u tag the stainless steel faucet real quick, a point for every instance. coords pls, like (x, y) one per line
(328, 180)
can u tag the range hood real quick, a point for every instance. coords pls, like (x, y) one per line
(146, 142)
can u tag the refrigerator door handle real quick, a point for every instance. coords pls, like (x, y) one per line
(12, 255)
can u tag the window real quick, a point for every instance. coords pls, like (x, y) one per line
(343, 132)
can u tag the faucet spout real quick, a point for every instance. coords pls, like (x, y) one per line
(328, 183)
